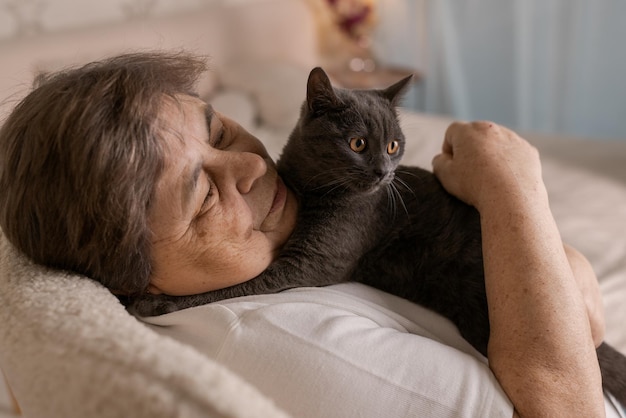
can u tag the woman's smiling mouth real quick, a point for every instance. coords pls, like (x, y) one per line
(280, 197)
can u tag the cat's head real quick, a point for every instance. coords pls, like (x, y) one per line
(346, 141)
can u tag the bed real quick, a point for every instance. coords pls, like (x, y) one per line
(69, 349)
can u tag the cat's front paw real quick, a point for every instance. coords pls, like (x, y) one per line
(152, 305)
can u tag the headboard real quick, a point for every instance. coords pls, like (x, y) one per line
(227, 32)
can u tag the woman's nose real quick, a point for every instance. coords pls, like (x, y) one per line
(246, 168)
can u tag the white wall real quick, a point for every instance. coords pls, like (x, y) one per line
(23, 18)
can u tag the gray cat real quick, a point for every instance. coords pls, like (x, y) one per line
(330, 171)
(365, 218)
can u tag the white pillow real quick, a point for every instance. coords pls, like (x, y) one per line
(237, 105)
(278, 89)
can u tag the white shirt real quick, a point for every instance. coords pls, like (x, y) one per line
(344, 351)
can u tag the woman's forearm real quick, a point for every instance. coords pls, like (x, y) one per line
(540, 347)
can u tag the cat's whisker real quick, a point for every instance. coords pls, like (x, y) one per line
(399, 196)
(408, 173)
(336, 184)
(328, 173)
(391, 201)
(313, 179)
(403, 183)
(339, 177)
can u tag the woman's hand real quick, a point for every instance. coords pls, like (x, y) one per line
(481, 162)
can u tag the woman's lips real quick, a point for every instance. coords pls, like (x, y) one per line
(280, 197)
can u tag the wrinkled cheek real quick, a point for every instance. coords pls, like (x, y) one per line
(263, 251)
(202, 233)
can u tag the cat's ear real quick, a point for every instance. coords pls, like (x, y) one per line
(395, 92)
(320, 96)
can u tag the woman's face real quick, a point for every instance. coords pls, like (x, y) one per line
(220, 213)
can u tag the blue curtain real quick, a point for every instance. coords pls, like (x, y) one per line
(534, 65)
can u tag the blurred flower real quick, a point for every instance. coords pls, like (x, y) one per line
(355, 18)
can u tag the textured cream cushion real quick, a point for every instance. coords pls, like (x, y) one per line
(70, 350)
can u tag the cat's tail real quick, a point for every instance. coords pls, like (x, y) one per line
(613, 369)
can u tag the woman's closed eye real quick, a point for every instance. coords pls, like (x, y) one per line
(207, 198)
(219, 141)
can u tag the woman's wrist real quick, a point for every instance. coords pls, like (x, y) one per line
(509, 196)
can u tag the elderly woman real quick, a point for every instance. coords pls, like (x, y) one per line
(118, 171)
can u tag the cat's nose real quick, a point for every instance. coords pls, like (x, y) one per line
(380, 175)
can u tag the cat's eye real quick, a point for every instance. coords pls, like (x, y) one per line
(393, 147)
(357, 144)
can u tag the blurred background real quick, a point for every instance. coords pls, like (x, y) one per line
(553, 66)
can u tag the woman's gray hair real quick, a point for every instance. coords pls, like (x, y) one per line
(79, 159)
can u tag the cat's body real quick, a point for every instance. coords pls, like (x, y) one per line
(364, 218)
(432, 255)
